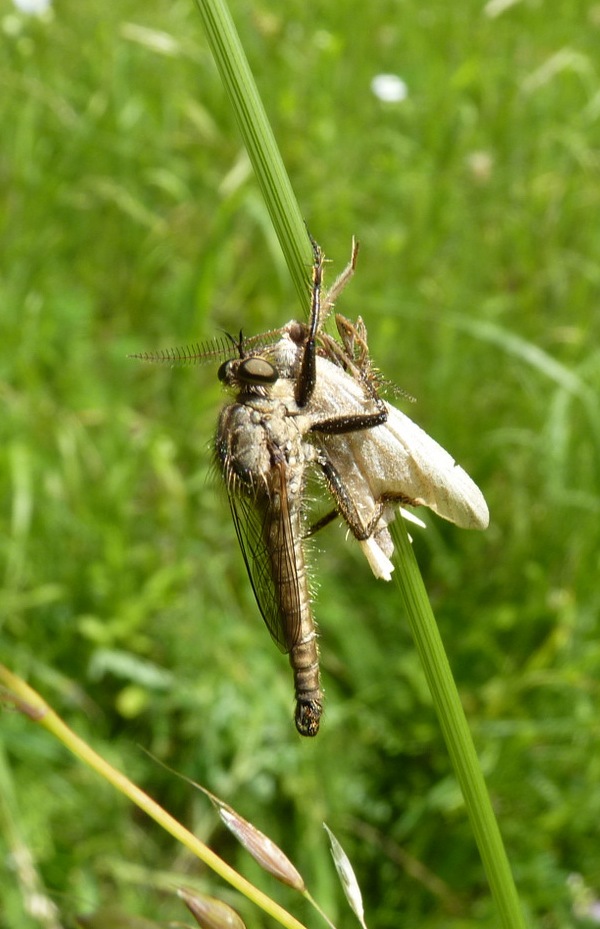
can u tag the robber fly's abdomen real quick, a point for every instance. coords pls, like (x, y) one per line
(289, 575)
(304, 659)
(260, 453)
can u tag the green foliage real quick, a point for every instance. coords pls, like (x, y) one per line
(131, 222)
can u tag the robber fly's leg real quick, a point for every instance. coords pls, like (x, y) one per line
(354, 340)
(340, 282)
(308, 366)
(318, 313)
(345, 504)
(321, 523)
(354, 423)
(353, 354)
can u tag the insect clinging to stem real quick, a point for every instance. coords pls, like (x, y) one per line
(307, 401)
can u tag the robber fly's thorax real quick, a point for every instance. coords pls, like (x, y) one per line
(260, 430)
(264, 426)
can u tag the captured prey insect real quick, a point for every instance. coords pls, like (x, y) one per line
(307, 401)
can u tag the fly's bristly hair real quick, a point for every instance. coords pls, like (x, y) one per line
(247, 483)
(352, 353)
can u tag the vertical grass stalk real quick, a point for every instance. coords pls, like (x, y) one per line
(259, 140)
(455, 730)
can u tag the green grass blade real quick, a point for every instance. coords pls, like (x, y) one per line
(455, 730)
(31, 704)
(259, 140)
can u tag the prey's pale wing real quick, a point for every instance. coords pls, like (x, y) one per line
(400, 459)
(265, 536)
(396, 460)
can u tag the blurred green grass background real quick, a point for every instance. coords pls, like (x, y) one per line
(131, 221)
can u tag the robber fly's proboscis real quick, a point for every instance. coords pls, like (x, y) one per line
(305, 401)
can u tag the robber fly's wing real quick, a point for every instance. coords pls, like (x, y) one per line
(267, 544)
(399, 459)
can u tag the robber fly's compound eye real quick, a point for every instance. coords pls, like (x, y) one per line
(223, 371)
(257, 371)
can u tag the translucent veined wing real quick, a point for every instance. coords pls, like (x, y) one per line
(265, 536)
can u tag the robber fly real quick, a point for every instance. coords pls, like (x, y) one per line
(306, 401)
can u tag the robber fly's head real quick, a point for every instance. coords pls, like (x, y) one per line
(252, 374)
(255, 371)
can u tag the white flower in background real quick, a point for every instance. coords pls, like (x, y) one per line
(497, 7)
(389, 87)
(480, 165)
(33, 7)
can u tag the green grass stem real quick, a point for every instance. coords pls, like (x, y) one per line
(33, 706)
(259, 140)
(455, 730)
